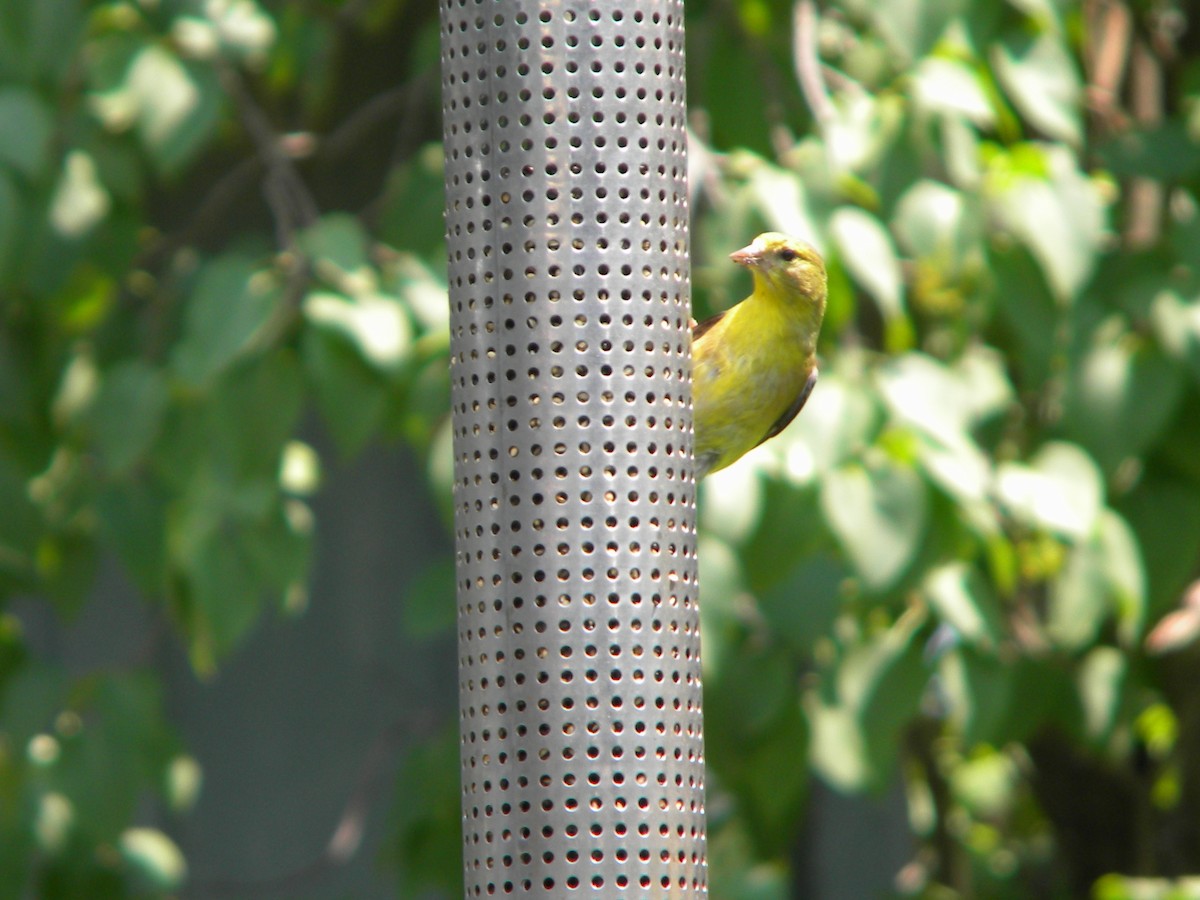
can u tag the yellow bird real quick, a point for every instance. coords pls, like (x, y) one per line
(754, 365)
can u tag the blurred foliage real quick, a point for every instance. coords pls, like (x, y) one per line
(968, 566)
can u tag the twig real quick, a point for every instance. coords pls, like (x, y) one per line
(1143, 222)
(346, 839)
(1109, 33)
(291, 203)
(808, 63)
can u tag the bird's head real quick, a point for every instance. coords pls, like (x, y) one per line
(786, 264)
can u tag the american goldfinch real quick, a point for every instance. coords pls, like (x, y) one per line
(754, 365)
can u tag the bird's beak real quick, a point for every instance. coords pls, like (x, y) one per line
(747, 256)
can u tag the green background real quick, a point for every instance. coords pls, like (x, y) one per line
(950, 616)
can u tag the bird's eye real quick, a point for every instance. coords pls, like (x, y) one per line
(787, 254)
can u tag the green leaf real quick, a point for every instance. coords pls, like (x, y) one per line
(801, 608)
(25, 137)
(949, 87)
(350, 395)
(1165, 516)
(931, 220)
(376, 324)
(104, 766)
(337, 244)
(1121, 395)
(1040, 75)
(133, 518)
(771, 783)
(430, 604)
(839, 420)
(963, 599)
(20, 526)
(154, 857)
(879, 515)
(427, 820)
(255, 410)
(1166, 152)
(1176, 323)
(10, 227)
(80, 201)
(860, 131)
(1060, 490)
(230, 306)
(126, 416)
(746, 700)
(413, 197)
(1058, 216)
(39, 38)
(31, 700)
(838, 747)
(223, 596)
(866, 249)
(1102, 578)
(875, 689)
(176, 106)
(977, 689)
(912, 27)
(1101, 679)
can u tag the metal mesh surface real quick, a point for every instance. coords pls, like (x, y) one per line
(582, 750)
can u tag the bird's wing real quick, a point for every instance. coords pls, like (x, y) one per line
(700, 328)
(792, 411)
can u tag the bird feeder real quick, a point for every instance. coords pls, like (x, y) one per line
(578, 629)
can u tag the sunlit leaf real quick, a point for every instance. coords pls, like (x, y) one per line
(1079, 600)
(80, 201)
(838, 751)
(928, 218)
(879, 515)
(951, 87)
(1121, 395)
(859, 131)
(1101, 680)
(873, 690)
(172, 105)
(376, 324)
(783, 202)
(1102, 579)
(1040, 75)
(154, 857)
(866, 249)
(839, 420)
(984, 783)
(962, 598)
(1059, 216)
(1060, 490)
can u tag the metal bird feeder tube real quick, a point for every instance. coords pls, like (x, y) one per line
(578, 630)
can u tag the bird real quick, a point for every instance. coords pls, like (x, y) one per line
(755, 364)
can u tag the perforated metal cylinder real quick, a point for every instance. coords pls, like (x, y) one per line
(567, 231)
